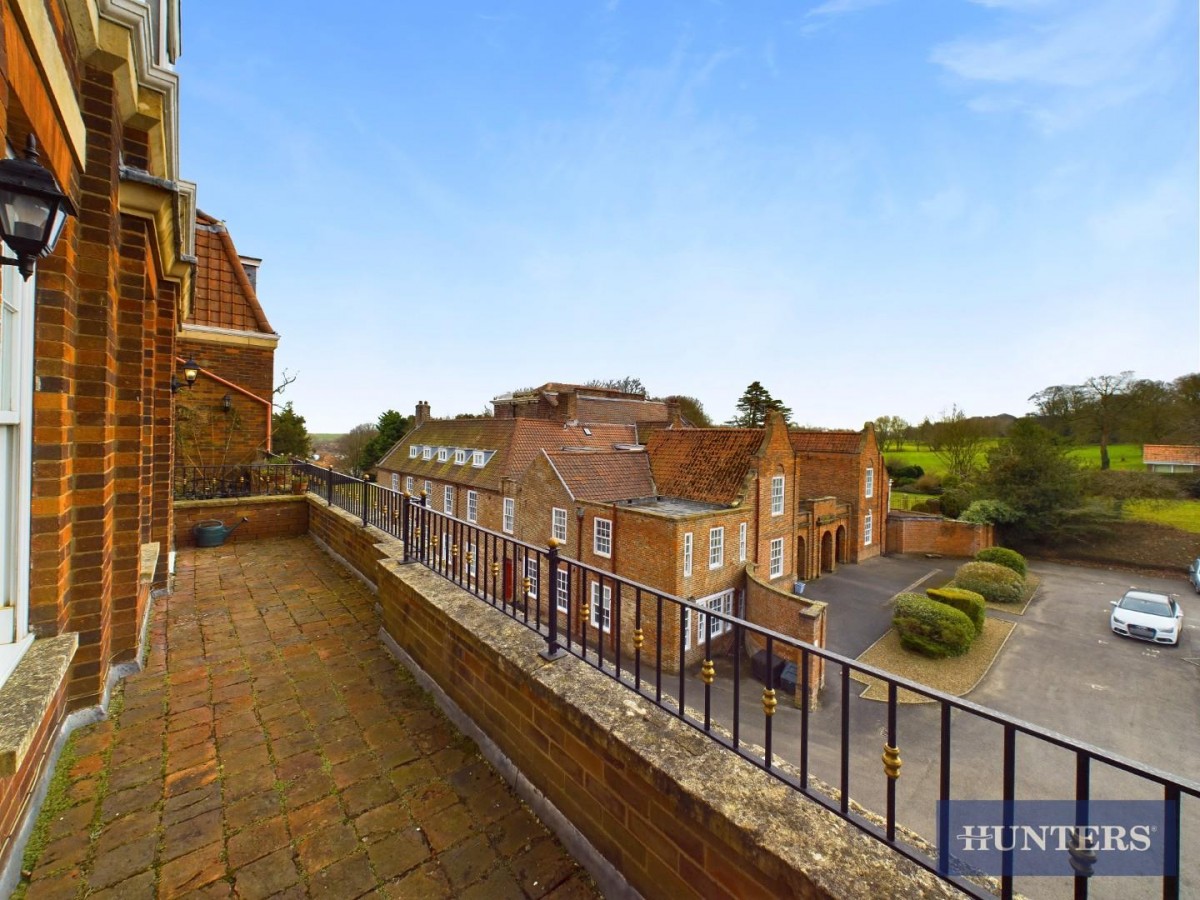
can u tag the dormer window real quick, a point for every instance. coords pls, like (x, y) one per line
(477, 459)
(413, 451)
(426, 453)
(443, 454)
(460, 457)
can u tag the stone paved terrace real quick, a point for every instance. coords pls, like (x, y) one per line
(273, 748)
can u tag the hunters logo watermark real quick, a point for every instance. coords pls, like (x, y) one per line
(1060, 837)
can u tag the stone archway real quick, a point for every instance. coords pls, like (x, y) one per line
(827, 552)
(841, 544)
(801, 559)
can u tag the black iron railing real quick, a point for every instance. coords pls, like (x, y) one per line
(648, 641)
(257, 480)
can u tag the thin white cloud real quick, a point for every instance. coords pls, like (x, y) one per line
(1149, 216)
(843, 7)
(1059, 62)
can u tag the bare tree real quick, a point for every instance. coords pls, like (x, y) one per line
(891, 432)
(351, 446)
(1107, 398)
(958, 442)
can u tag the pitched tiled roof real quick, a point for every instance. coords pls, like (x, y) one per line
(706, 464)
(604, 475)
(1178, 454)
(224, 297)
(605, 409)
(514, 443)
(826, 441)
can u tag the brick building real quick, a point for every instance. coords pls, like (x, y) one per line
(691, 512)
(224, 420)
(86, 431)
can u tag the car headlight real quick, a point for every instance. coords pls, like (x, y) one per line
(1117, 620)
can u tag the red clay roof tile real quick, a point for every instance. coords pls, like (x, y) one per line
(706, 464)
(604, 476)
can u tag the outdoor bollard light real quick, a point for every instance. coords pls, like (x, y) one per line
(32, 209)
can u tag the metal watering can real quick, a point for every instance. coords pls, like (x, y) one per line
(212, 532)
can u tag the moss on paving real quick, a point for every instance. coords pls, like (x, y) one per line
(56, 803)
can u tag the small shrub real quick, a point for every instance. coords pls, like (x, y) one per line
(931, 628)
(1002, 556)
(995, 582)
(928, 484)
(969, 603)
(954, 503)
(898, 471)
(989, 512)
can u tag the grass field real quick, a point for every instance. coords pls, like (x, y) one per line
(1121, 456)
(1181, 514)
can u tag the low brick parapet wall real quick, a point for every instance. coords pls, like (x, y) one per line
(275, 516)
(673, 812)
(915, 533)
(792, 615)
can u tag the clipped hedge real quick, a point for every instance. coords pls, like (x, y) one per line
(1002, 556)
(931, 628)
(969, 603)
(995, 582)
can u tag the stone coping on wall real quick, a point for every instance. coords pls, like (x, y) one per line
(226, 502)
(28, 693)
(767, 824)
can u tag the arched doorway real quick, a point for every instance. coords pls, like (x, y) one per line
(827, 552)
(841, 544)
(801, 559)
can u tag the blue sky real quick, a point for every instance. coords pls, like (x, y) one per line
(874, 207)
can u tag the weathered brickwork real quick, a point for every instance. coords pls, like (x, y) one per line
(914, 533)
(210, 435)
(106, 313)
(675, 813)
(266, 517)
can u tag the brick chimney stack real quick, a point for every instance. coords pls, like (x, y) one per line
(422, 415)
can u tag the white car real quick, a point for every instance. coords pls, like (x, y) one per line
(1148, 616)
(1194, 574)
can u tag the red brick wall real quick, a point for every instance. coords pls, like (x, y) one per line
(775, 608)
(207, 434)
(268, 517)
(910, 533)
(16, 789)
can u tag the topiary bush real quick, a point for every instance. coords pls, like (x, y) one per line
(931, 628)
(1002, 556)
(969, 603)
(995, 582)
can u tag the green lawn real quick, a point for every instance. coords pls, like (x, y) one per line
(1121, 456)
(1181, 514)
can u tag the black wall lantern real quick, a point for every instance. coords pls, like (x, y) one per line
(32, 209)
(191, 371)
(227, 403)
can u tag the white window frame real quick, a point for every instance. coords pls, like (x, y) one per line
(426, 453)
(602, 537)
(16, 448)
(395, 481)
(428, 490)
(601, 612)
(558, 524)
(460, 457)
(869, 490)
(408, 485)
(413, 450)
(472, 560)
(716, 547)
(776, 557)
(742, 542)
(532, 571)
(472, 506)
(720, 602)
(777, 495)
(509, 521)
(687, 628)
(868, 528)
(448, 499)
(562, 589)
(477, 459)
(687, 554)
(443, 454)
